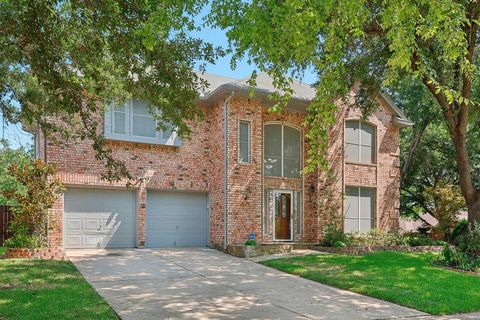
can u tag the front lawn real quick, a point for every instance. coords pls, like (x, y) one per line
(408, 279)
(41, 289)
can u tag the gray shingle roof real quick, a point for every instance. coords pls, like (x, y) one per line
(220, 86)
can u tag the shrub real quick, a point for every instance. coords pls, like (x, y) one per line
(250, 243)
(332, 234)
(377, 237)
(444, 201)
(416, 240)
(459, 229)
(339, 244)
(466, 255)
(30, 195)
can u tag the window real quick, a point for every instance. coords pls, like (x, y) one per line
(282, 151)
(299, 213)
(359, 209)
(134, 122)
(244, 142)
(143, 123)
(359, 142)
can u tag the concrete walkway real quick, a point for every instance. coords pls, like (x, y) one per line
(199, 283)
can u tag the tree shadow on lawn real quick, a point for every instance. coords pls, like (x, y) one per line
(42, 289)
(408, 279)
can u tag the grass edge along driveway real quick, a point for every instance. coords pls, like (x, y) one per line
(408, 279)
(45, 289)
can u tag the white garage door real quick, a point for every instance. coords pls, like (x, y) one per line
(176, 219)
(99, 218)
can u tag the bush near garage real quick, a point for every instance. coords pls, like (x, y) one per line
(30, 191)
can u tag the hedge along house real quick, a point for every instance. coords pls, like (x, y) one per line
(238, 174)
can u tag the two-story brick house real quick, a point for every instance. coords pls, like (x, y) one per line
(239, 173)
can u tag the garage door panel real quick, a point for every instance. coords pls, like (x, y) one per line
(176, 219)
(72, 240)
(92, 225)
(99, 218)
(74, 224)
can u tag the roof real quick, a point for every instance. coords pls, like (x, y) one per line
(220, 87)
(302, 91)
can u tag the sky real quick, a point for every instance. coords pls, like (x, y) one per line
(17, 137)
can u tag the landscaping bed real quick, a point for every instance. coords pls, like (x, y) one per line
(53, 253)
(250, 251)
(356, 250)
(46, 289)
(405, 278)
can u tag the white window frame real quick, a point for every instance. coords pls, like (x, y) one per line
(109, 129)
(374, 209)
(283, 125)
(249, 142)
(374, 146)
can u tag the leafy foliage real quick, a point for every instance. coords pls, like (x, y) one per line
(466, 254)
(333, 236)
(373, 43)
(444, 201)
(459, 229)
(66, 60)
(8, 156)
(31, 194)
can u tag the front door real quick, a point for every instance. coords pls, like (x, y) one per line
(283, 215)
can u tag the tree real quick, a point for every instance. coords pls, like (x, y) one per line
(374, 43)
(67, 59)
(30, 196)
(9, 156)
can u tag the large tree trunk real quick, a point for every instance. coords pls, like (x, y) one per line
(472, 198)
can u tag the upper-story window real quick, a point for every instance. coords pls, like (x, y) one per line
(359, 142)
(244, 142)
(133, 121)
(282, 151)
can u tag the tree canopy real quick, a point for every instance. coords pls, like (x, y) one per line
(67, 59)
(375, 43)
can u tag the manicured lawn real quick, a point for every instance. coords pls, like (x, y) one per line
(38, 289)
(408, 279)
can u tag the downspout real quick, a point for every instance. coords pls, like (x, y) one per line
(225, 164)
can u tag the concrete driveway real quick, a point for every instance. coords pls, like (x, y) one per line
(201, 283)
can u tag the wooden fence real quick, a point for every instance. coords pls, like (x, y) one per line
(5, 216)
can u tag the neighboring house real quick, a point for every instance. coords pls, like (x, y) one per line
(239, 173)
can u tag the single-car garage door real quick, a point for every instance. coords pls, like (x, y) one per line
(176, 219)
(99, 218)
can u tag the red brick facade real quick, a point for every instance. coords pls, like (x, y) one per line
(198, 165)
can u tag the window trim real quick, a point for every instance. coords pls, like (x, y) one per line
(283, 124)
(374, 147)
(374, 213)
(109, 128)
(249, 142)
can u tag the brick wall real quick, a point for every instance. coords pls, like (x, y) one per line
(198, 165)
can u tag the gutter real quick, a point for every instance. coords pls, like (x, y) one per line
(225, 164)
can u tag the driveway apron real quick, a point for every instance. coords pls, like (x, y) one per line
(202, 283)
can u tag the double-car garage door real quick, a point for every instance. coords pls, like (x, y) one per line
(106, 218)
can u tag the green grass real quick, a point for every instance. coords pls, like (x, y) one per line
(2, 251)
(42, 289)
(407, 279)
